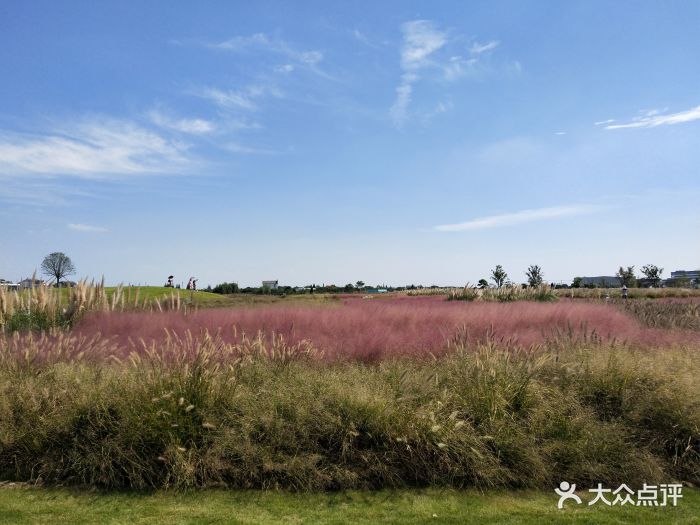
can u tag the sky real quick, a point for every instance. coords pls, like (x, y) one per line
(329, 142)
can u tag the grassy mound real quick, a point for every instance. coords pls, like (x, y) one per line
(187, 414)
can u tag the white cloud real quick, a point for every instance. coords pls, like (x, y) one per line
(284, 68)
(90, 149)
(560, 133)
(512, 219)
(440, 107)
(246, 99)
(458, 66)
(399, 111)
(423, 47)
(239, 43)
(653, 118)
(602, 122)
(87, 228)
(260, 42)
(478, 48)
(420, 40)
(229, 99)
(191, 126)
(361, 37)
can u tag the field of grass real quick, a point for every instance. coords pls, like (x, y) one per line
(190, 412)
(25, 506)
(350, 394)
(546, 293)
(45, 308)
(204, 299)
(416, 326)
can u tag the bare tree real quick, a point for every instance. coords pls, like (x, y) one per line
(499, 276)
(534, 275)
(57, 265)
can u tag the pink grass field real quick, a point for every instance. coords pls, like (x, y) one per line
(375, 329)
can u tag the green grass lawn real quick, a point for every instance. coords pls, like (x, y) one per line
(205, 299)
(58, 506)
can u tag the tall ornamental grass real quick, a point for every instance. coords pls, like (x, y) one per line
(43, 307)
(371, 330)
(199, 412)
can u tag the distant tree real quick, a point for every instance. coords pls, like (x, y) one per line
(360, 284)
(627, 277)
(534, 275)
(577, 282)
(57, 265)
(483, 283)
(499, 276)
(225, 288)
(349, 287)
(653, 273)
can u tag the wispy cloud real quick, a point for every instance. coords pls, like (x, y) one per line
(653, 118)
(229, 99)
(520, 217)
(91, 149)
(261, 42)
(284, 68)
(183, 125)
(478, 48)
(363, 38)
(245, 99)
(420, 40)
(424, 46)
(87, 228)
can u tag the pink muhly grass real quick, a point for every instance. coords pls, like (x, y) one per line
(381, 328)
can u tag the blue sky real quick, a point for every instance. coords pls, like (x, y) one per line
(392, 142)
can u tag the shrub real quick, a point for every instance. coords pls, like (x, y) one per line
(194, 412)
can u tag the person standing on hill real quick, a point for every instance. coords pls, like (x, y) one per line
(624, 291)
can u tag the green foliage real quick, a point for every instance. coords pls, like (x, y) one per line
(534, 275)
(503, 294)
(225, 288)
(652, 273)
(499, 276)
(192, 415)
(627, 277)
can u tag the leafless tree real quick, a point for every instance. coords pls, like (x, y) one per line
(57, 265)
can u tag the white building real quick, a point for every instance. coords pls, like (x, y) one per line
(8, 285)
(30, 283)
(270, 285)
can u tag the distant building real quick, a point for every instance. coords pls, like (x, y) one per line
(30, 283)
(602, 281)
(686, 274)
(270, 285)
(8, 285)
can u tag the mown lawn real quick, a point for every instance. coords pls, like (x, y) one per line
(58, 506)
(203, 298)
